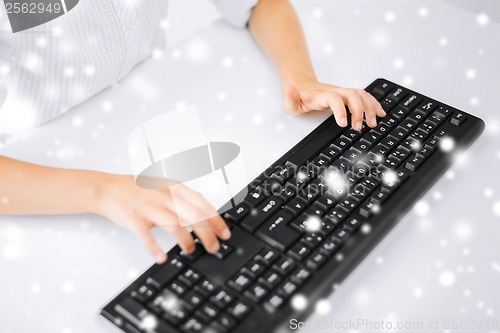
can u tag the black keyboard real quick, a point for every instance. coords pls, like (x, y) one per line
(306, 222)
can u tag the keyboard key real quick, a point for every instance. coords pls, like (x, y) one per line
(222, 298)
(255, 197)
(295, 207)
(427, 107)
(256, 292)
(270, 278)
(224, 323)
(208, 311)
(143, 293)
(414, 163)
(326, 201)
(300, 276)
(398, 94)
(193, 298)
(308, 194)
(299, 251)
(382, 89)
(315, 261)
(411, 102)
(254, 268)
(342, 143)
(239, 310)
(380, 196)
(331, 152)
(458, 119)
(277, 233)
(368, 209)
(205, 287)
(371, 137)
(165, 273)
(237, 213)
(313, 239)
(273, 303)
(192, 325)
(224, 250)
(264, 211)
(240, 281)
(417, 116)
(389, 122)
(287, 289)
(352, 224)
(388, 104)
(267, 256)
(425, 152)
(177, 287)
(315, 211)
(189, 277)
(284, 265)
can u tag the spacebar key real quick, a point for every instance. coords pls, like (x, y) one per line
(260, 214)
(277, 233)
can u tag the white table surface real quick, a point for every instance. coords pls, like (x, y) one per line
(442, 262)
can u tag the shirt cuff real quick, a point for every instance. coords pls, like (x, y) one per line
(236, 12)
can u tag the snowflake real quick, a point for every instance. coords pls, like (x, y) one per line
(483, 19)
(89, 70)
(313, 224)
(398, 63)
(470, 74)
(447, 279)
(299, 302)
(423, 12)
(496, 208)
(390, 17)
(228, 62)
(323, 307)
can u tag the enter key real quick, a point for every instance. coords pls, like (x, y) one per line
(277, 233)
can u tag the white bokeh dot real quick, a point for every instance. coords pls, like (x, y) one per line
(422, 208)
(227, 62)
(68, 287)
(69, 71)
(443, 41)
(496, 208)
(423, 12)
(390, 17)
(317, 12)
(323, 307)
(488, 193)
(470, 74)
(89, 70)
(447, 144)
(299, 302)
(483, 19)
(418, 292)
(107, 106)
(398, 63)
(447, 278)
(77, 121)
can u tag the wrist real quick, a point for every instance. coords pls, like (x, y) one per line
(298, 79)
(100, 187)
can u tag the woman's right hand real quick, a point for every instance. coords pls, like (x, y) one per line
(140, 210)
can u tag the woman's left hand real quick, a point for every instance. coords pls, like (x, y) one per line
(312, 95)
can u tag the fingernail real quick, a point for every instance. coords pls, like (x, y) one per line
(357, 127)
(343, 122)
(226, 234)
(374, 122)
(215, 247)
(161, 258)
(384, 113)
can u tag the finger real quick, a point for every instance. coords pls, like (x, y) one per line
(207, 236)
(353, 101)
(184, 238)
(207, 212)
(336, 103)
(291, 103)
(147, 238)
(370, 109)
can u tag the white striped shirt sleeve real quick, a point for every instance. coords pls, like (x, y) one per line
(236, 12)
